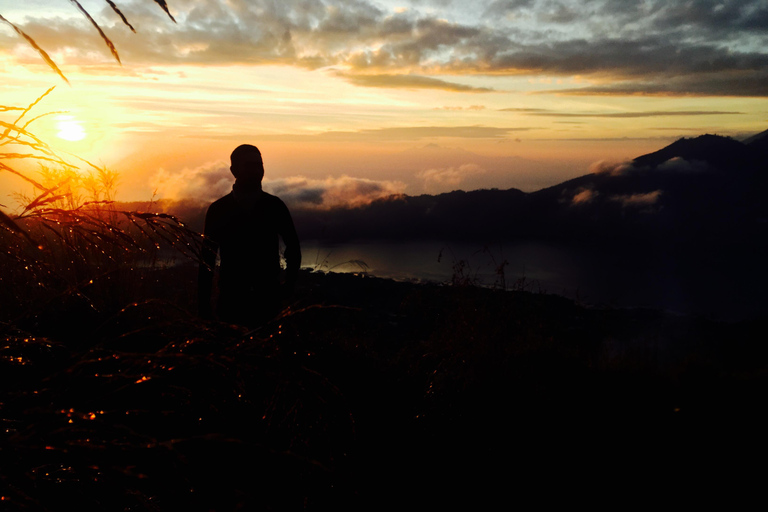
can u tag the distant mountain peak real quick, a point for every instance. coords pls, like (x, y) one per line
(758, 138)
(758, 143)
(718, 151)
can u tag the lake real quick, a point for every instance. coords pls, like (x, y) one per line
(705, 283)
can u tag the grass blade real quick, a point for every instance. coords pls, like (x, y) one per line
(37, 144)
(122, 16)
(22, 175)
(31, 105)
(84, 160)
(24, 111)
(41, 199)
(164, 6)
(10, 223)
(43, 115)
(101, 32)
(34, 45)
(35, 157)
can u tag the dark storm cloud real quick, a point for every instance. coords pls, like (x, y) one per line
(717, 15)
(694, 47)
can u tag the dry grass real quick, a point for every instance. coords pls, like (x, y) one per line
(120, 13)
(66, 236)
(37, 47)
(107, 41)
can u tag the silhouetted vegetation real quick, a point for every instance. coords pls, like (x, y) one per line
(66, 236)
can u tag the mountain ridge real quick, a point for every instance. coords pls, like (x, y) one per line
(704, 187)
(704, 184)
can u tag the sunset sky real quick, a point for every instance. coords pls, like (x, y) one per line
(363, 98)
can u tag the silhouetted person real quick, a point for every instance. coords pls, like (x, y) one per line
(243, 228)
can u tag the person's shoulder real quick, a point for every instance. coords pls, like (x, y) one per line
(221, 206)
(222, 202)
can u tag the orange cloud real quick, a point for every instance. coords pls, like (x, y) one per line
(611, 168)
(452, 176)
(344, 191)
(584, 196)
(638, 200)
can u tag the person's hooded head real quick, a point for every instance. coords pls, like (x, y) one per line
(247, 165)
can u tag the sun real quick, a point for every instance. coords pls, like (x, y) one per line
(70, 128)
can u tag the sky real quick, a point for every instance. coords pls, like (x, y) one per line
(360, 99)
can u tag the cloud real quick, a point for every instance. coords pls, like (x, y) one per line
(205, 183)
(614, 60)
(408, 82)
(209, 182)
(402, 133)
(717, 17)
(506, 8)
(411, 133)
(524, 110)
(611, 168)
(678, 164)
(637, 200)
(471, 107)
(451, 176)
(344, 191)
(583, 196)
(736, 83)
(624, 115)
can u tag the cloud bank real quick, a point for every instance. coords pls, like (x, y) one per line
(205, 183)
(584, 196)
(637, 200)
(341, 192)
(611, 168)
(209, 182)
(452, 176)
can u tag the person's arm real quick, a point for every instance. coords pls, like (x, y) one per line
(292, 249)
(205, 272)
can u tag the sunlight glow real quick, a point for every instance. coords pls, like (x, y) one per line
(70, 129)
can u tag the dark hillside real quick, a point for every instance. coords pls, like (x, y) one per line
(369, 393)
